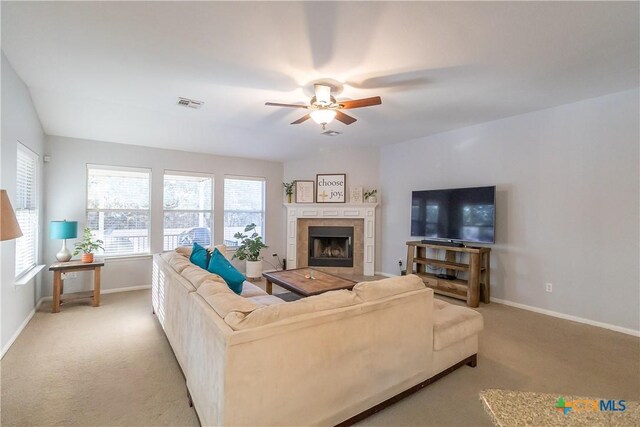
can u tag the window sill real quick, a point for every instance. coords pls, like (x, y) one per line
(29, 275)
(121, 258)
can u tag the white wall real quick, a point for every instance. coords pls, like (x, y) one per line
(66, 198)
(362, 166)
(567, 202)
(19, 123)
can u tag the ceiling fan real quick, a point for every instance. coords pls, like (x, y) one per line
(324, 107)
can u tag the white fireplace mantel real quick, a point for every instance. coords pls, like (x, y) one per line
(365, 211)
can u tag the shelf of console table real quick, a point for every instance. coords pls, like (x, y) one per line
(472, 290)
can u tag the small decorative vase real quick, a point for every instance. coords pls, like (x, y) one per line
(372, 199)
(87, 257)
(289, 198)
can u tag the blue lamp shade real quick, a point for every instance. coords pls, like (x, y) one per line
(63, 229)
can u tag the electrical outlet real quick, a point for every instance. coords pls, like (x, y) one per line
(70, 275)
(549, 287)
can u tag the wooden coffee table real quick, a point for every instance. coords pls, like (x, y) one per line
(296, 282)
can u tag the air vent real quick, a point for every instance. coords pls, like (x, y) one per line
(191, 103)
(331, 133)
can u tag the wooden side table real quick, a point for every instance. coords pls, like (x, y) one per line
(66, 267)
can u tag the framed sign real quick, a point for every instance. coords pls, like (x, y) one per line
(304, 191)
(331, 188)
(355, 195)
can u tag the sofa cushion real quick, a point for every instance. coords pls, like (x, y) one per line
(223, 300)
(221, 266)
(197, 276)
(266, 299)
(453, 323)
(439, 304)
(273, 313)
(184, 250)
(378, 289)
(199, 256)
(250, 290)
(179, 263)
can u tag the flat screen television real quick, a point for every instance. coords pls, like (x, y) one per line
(462, 214)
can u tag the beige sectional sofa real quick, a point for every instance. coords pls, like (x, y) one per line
(254, 359)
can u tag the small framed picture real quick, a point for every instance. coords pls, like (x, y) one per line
(355, 195)
(331, 187)
(304, 191)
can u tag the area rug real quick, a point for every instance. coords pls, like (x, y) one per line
(288, 296)
(519, 408)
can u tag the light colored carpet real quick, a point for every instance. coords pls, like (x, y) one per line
(109, 365)
(113, 366)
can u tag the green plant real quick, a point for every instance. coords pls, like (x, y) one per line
(370, 193)
(250, 245)
(288, 187)
(88, 245)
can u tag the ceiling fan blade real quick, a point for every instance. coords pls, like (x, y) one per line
(302, 119)
(344, 118)
(277, 104)
(359, 103)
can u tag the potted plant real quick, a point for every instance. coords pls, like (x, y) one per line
(370, 196)
(87, 246)
(288, 189)
(249, 250)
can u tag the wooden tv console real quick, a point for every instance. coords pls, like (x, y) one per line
(479, 271)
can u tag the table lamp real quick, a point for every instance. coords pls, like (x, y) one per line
(63, 230)
(9, 228)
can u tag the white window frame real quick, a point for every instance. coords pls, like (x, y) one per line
(126, 169)
(21, 148)
(264, 203)
(212, 211)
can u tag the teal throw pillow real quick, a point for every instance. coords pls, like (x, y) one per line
(222, 267)
(199, 256)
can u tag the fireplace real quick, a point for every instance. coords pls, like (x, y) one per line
(361, 217)
(330, 246)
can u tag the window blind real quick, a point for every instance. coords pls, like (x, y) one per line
(188, 210)
(26, 209)
(244, 203)
(118, 212)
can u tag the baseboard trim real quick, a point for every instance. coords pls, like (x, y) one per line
(559, 315)
(105, 291)
(552, 313)
(127, 289)
(15, 336)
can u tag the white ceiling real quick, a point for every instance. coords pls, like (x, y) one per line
(113, 71)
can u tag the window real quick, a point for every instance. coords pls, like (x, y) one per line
(243, 205)
(118, 208)
(26, 207)
(188, 209)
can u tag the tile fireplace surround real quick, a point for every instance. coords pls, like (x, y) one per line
(362, 217)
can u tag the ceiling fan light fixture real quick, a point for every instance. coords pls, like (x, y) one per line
(323, 94)
(323, 117)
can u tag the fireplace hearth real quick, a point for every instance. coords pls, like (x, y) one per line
(330, 246)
